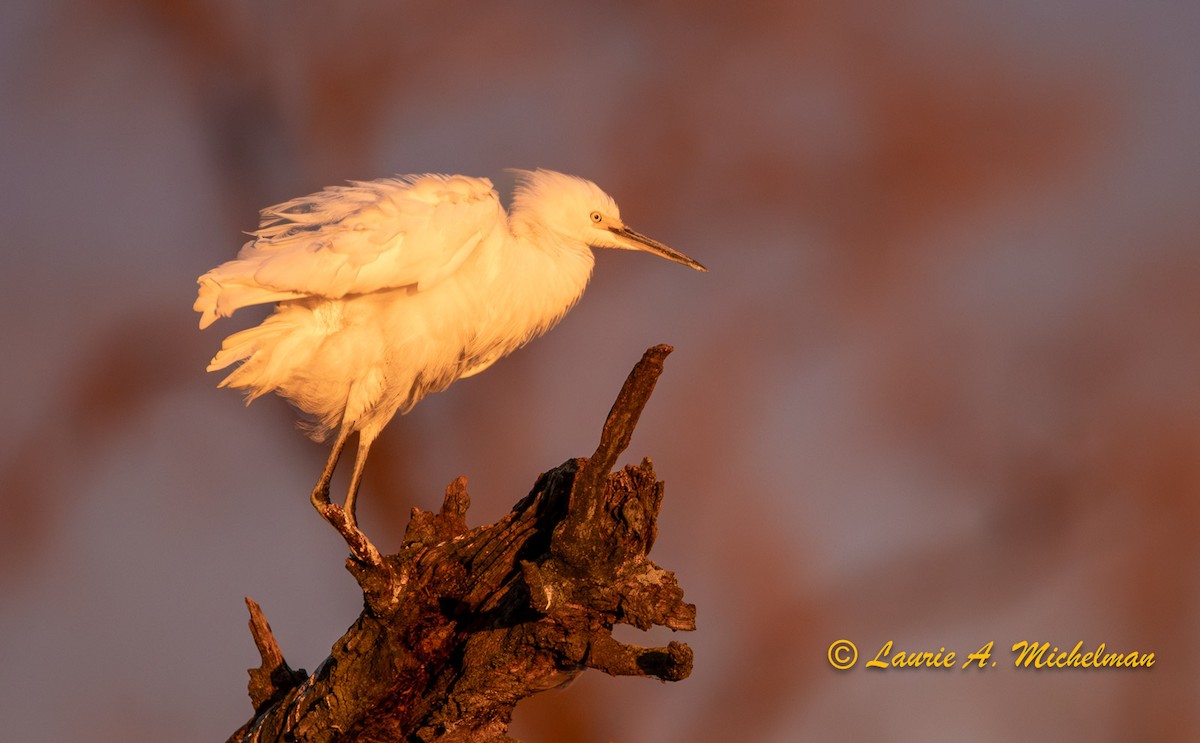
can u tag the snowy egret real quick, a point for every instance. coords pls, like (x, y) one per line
(392, 289)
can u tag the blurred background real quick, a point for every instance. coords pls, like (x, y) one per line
(941, 386)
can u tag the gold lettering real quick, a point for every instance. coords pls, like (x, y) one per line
(883, 653)
(982, 655)
(1031, 655)
(887, 658)
(1073, 658)
(1045, 655)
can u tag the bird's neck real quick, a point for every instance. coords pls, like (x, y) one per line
(554, 272)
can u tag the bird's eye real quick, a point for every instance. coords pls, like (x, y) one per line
(597, 217)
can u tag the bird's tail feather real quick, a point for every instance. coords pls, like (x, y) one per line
(259, 373)
(271, 355)
(221, 296)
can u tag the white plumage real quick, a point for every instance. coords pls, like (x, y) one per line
(392, 289)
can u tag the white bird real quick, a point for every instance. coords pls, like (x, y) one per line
(392, 289)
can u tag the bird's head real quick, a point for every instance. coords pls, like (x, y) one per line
(579, 210)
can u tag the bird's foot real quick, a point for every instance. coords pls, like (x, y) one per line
(321, 502)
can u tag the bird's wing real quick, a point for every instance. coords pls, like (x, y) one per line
(354, 239)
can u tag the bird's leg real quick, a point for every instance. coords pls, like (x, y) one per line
(320, 494)
(360, 461)
(341, 518)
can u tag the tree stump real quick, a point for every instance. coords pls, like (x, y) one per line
(461, 624)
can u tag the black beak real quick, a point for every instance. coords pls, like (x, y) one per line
(653, 246)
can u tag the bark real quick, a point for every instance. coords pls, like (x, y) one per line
(461, 624)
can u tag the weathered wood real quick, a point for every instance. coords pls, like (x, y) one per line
(461, 624)
(275, 677)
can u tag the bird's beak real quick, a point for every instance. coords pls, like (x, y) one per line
(641, 242)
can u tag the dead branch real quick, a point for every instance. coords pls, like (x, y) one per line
(461, 624)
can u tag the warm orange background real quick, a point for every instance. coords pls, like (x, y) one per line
(941, 386)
